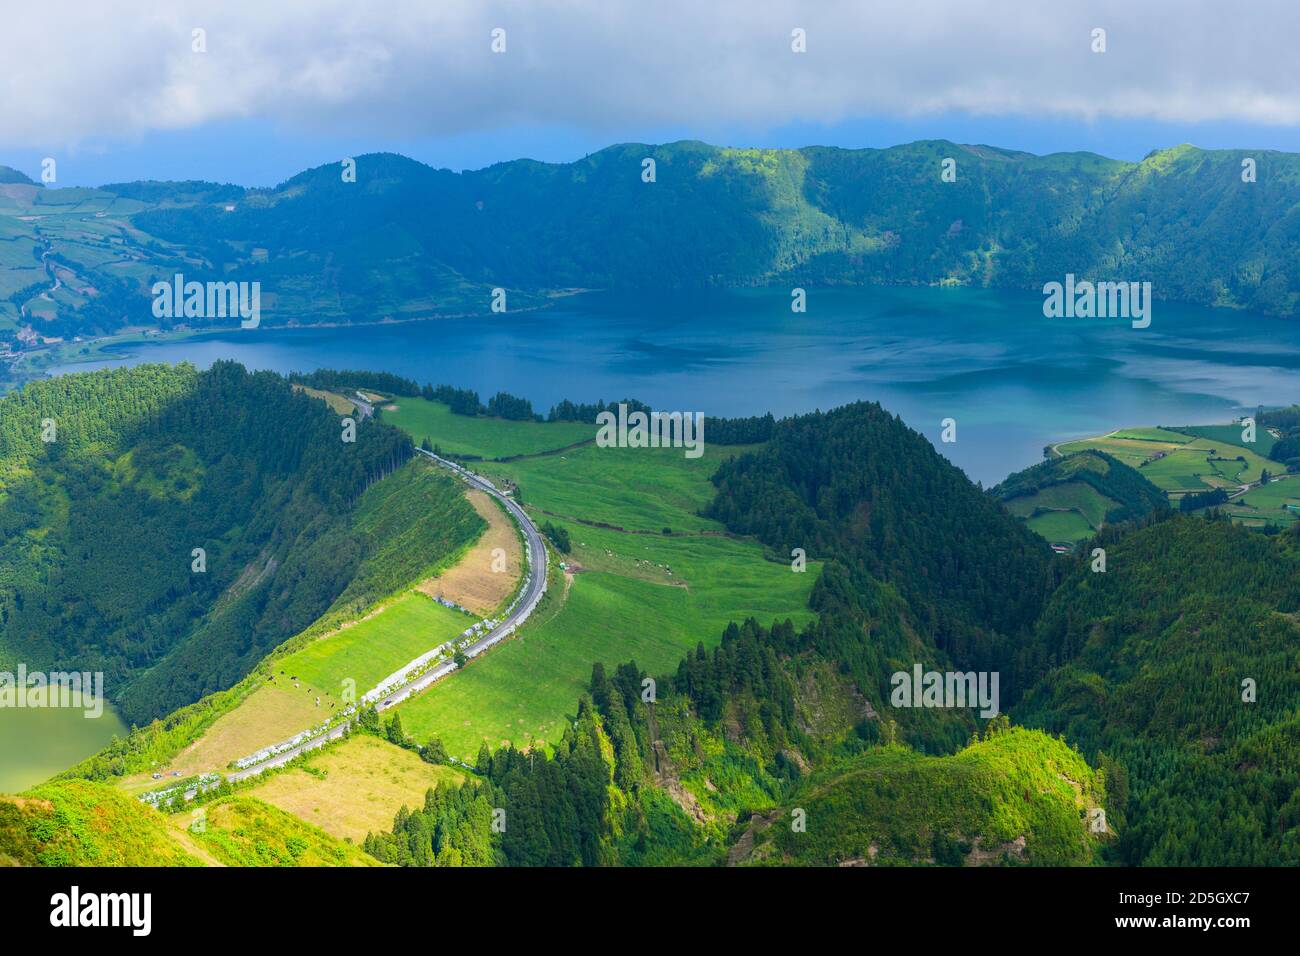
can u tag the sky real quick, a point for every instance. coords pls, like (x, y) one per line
(254, 92)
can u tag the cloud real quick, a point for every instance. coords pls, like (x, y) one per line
(76, 72)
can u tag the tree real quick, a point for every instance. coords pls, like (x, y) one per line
(368, 720)
(393, 731)
(434, 751)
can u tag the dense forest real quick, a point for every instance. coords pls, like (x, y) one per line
(177, 525)
(1179, 663)
(1287, 422)
(856, 484)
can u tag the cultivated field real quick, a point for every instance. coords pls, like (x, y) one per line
(1192, 459)
(472, 582)
(1179, 462)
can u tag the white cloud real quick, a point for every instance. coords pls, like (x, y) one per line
(75, 72)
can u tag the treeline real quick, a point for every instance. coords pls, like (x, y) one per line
(329, 379)
(720, 431)
(527, 810)
(1202, 499)
(567, 411)
(466, 401)
(1287, 421)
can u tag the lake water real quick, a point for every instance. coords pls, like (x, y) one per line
(1013, 379)
(36, 743)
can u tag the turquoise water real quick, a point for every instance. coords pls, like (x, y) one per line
(1013, 380)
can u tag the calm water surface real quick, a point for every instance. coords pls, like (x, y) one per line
(1012, 379)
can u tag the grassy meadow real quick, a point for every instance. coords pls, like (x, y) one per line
(479, 436)
(354, 787)
(636, 594)
(639, 489)
(374, 647)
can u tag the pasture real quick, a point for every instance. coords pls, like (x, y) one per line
(523, 689)
(354, 787)
(481, 437)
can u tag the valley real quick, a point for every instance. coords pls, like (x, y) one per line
(654, 559)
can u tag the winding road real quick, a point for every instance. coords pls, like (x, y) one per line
(530, 595)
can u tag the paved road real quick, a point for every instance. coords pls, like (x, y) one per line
(529, 597)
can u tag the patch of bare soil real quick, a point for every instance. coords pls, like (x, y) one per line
(474, 583)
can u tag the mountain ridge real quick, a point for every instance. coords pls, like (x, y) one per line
(403, 239)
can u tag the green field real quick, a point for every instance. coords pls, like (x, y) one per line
(1231, 435)
(1152, 434)
(523, 689)
(1075, 496)
(478, 436)
(371, 649)
(1179, 462)
(643, 489)
(1061, 526)
(1192, 459)
(644, 596)
(1267, 505)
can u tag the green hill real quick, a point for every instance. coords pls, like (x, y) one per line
(857, 485)
(1149, 663)
(79, 823)
(1015, 797)
(10, 175)
(1090, 488)
(406, 240)
(98, 567)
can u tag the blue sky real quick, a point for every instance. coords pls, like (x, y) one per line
(119, 92)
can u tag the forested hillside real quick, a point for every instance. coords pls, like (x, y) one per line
(406, 240)
(1179, 663)
(857, 485)
(737, 747)
(718, 216)
(98, 561)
